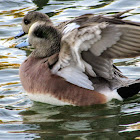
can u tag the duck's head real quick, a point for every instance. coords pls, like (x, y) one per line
(30, 18)
(44, 38)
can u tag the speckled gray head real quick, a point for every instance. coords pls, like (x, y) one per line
(44, 38)
(30, 18)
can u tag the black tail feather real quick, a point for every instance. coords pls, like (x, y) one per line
(129, 91)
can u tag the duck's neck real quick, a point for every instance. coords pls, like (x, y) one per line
(43, 52)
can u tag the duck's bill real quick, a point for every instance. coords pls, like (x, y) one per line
(25, 43)
(21, 33)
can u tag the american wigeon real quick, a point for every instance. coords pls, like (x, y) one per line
(113, 38)
(69, 85)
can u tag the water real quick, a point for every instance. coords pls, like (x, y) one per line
(20, 118)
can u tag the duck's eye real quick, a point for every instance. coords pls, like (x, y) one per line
(27, 21)
(39, 33)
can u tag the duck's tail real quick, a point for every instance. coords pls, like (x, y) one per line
(130, 90)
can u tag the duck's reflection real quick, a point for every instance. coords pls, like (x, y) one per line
(83, 123)
(76, 122)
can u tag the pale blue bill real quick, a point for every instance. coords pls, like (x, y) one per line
(21, 33)
(25, 43)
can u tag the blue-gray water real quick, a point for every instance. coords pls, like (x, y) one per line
(22, 119)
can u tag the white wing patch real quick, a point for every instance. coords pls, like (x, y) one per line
(70, 27)
(75, 76)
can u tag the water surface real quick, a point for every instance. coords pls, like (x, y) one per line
(20, 118)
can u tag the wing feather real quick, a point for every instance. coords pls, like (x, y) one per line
(101, 66)
(127, 46)
(73, 75)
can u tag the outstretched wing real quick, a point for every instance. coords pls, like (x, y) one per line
(104, 41)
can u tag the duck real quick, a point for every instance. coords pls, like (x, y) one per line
(33, 16)
(101, 39)
(70, 85)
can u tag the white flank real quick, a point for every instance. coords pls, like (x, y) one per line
(46, 98)
(70, 27)
(110, 94)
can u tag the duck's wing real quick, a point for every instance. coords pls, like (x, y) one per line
(104, 39)
(105, 42)
(117, 41)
